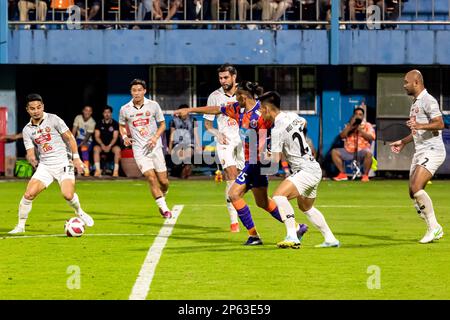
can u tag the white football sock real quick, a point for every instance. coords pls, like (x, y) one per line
(97, 166)
(318, 220)
(161, 203)
(426, 207)
(24, 209)
(75, 204)
(231, 210)
(116, 167)
(287, 215)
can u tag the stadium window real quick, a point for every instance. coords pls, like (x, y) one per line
(296, 85)
(172, 86)
(358, 78)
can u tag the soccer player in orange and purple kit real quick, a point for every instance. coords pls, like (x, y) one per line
(255, 131)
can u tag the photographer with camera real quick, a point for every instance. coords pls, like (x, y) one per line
(358, 134)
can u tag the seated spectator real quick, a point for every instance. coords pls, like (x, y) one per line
(223, 5)
(273, 10)
(360, 5)
(183, 142)
(325, 11)
(175, 5)
(357, 135)
(197, 10)
(83, 129)
(41, 11)
(391, 9)
(107, 141)
(89, 13)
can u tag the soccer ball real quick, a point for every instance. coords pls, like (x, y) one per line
(74, 227)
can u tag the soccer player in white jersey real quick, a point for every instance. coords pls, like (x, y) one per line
(146, 123)
(287, 137)
(228, 142)
(51, 136)
(426, 124)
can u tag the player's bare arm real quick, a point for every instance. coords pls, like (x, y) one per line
(222, 139)
(98, 139)
(31, 157)
(436, 123)
(114, 139)
(398, 145)
(70, 140)
(127, 141)
(203, 110)
(159, 132)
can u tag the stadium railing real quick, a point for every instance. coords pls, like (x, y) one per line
(413, 14)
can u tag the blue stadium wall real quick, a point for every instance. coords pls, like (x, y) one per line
(141, 48)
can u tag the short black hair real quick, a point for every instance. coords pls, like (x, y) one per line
(358, 108)
(227, 67)
(271, 97)
(183, 106)
(252, 87)
(108, 108)
(34, 97)
(138, 82)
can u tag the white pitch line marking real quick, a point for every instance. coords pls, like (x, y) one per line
(142, 285)
(318, 206)
(85, 235)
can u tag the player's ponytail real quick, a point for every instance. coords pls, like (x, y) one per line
(251, 87)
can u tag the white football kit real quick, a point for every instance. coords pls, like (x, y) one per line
(54, 161)
(430, 150)
(231, 154)
(142, 122)
(287, 137)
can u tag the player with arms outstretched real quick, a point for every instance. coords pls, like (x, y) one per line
(287, 137)
(426, 124)
(146, 123)
(254, 133)
(228, 142)
(51, 136)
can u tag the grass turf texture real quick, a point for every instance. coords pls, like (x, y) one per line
(375, 222)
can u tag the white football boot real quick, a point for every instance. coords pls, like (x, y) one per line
(17, 229)
(87, 219)
(431, 235)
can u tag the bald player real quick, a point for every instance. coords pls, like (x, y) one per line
(426, 124)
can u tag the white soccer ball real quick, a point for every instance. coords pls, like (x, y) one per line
(74, 227)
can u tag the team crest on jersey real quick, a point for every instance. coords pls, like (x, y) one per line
(111, 129)
(416, 110)
(253, 124)
(147, 113)
(48, 129)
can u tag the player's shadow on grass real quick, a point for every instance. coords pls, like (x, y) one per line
(178, 226)
(95, 215)
(390, 239)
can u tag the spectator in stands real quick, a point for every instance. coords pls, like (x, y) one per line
(122, 10)
(325, 11)
(358, 136)
(223, 5)
(83, 130)
(159, 5)
(90, 12)
(41, 11)
(391, 9)
(107, 141)
(183, 142)
(273, 10)
(357, 5)
(197, 10)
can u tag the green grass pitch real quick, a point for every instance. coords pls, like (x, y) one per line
(375, 222)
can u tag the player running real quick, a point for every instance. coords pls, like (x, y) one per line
(288, 138)
(228, 142)
(51, 136)
(146, 123)
(426, 124)
(254, 133)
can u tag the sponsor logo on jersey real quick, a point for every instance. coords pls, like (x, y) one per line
(231, 122)
(139, 114)
(141, 122)
(42, 139)
(46, 147)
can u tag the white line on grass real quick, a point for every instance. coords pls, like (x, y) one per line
(142, 286)
(85, 235)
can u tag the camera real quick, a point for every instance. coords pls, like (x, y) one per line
(358, 121)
